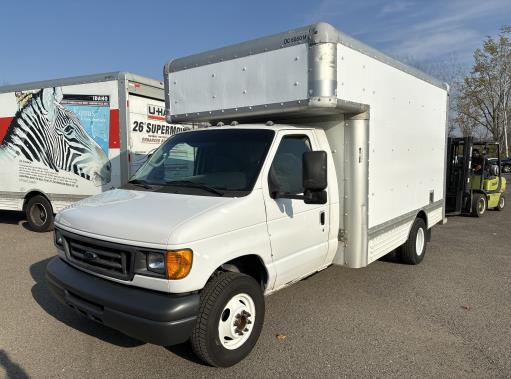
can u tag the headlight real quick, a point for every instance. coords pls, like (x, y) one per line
(156, 262)
(173, 264)
(178, 263)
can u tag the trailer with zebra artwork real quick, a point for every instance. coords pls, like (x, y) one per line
(66, 139)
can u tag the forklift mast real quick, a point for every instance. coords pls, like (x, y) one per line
(461, 178)
(459, 165)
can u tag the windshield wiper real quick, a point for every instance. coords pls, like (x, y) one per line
(140, 183)
(190, 184)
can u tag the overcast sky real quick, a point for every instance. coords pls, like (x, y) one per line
(42, 40)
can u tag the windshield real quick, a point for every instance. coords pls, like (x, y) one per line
(207, 162)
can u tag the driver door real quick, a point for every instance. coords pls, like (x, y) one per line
(298, 231)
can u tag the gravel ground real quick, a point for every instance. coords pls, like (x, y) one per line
(447, 317)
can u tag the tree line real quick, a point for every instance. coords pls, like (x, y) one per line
(481, 100)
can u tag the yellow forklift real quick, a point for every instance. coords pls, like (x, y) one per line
(474, 181)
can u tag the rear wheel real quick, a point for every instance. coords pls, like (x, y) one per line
(413, 250)
(39, 214)
(230, 319)
(479, 205)
(502, 203)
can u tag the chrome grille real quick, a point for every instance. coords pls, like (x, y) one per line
(111, 260)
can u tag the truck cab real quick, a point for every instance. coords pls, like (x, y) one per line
(210, 201)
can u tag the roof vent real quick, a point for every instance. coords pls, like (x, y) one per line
(269, 123)
(220, 123)
(234, 123)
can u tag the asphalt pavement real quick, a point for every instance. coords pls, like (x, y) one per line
(450, 316)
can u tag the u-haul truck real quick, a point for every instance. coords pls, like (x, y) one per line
(324, 151)
(66, 139)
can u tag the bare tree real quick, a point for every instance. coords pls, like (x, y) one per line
(484, 102)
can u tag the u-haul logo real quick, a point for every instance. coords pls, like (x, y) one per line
(155, 112)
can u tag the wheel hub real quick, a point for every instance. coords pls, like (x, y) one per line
(236, 321)
(38, 214)
(482, 205)
(420, 241)
(241, 321)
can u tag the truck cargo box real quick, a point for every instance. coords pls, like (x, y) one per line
(385, 122)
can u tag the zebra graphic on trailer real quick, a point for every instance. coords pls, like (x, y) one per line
(46, 132)
(66, 139)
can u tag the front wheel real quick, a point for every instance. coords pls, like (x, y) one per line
(413, 250)
(39, 214)
(506, 168)
(230, 319)
(502, 203)
(479, 205)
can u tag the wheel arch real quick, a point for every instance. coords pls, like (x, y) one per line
(422, 214)
(249, 264)
(31, 194)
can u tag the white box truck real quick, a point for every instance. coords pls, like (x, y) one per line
(66, 139)
(334, 154)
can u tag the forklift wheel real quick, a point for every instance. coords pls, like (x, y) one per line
(479, 205)
(502, 203)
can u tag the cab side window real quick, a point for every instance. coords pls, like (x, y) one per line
(286, 170)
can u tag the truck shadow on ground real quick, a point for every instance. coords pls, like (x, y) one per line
(14, 218)
(12, 370)
(43, 296)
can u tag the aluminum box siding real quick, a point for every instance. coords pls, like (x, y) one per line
(271, 77)
(406, 133)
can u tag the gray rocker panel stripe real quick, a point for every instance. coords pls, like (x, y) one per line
(377, 230)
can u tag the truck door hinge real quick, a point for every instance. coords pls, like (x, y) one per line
(342, 236)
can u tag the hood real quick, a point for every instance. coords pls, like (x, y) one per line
(137, 216)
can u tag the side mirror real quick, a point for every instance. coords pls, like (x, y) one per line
(314, 180)
(315, 177)
(314, 171)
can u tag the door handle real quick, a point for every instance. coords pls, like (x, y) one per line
(322, 217)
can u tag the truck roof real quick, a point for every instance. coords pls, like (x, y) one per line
(320, 32)
(275, 127)
(103, 77)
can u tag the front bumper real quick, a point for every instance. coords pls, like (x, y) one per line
(149, 316)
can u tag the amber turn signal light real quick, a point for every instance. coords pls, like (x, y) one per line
(179, 263)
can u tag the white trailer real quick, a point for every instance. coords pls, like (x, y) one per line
(333, 153)
(66, 139)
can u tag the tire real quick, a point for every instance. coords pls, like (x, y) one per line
(506, 168)
(39, 213)
(413, 250)
(502, 203)
(217, 321)
(479, 205)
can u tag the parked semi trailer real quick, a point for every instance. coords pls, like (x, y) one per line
(66, 139)
(324, 151)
